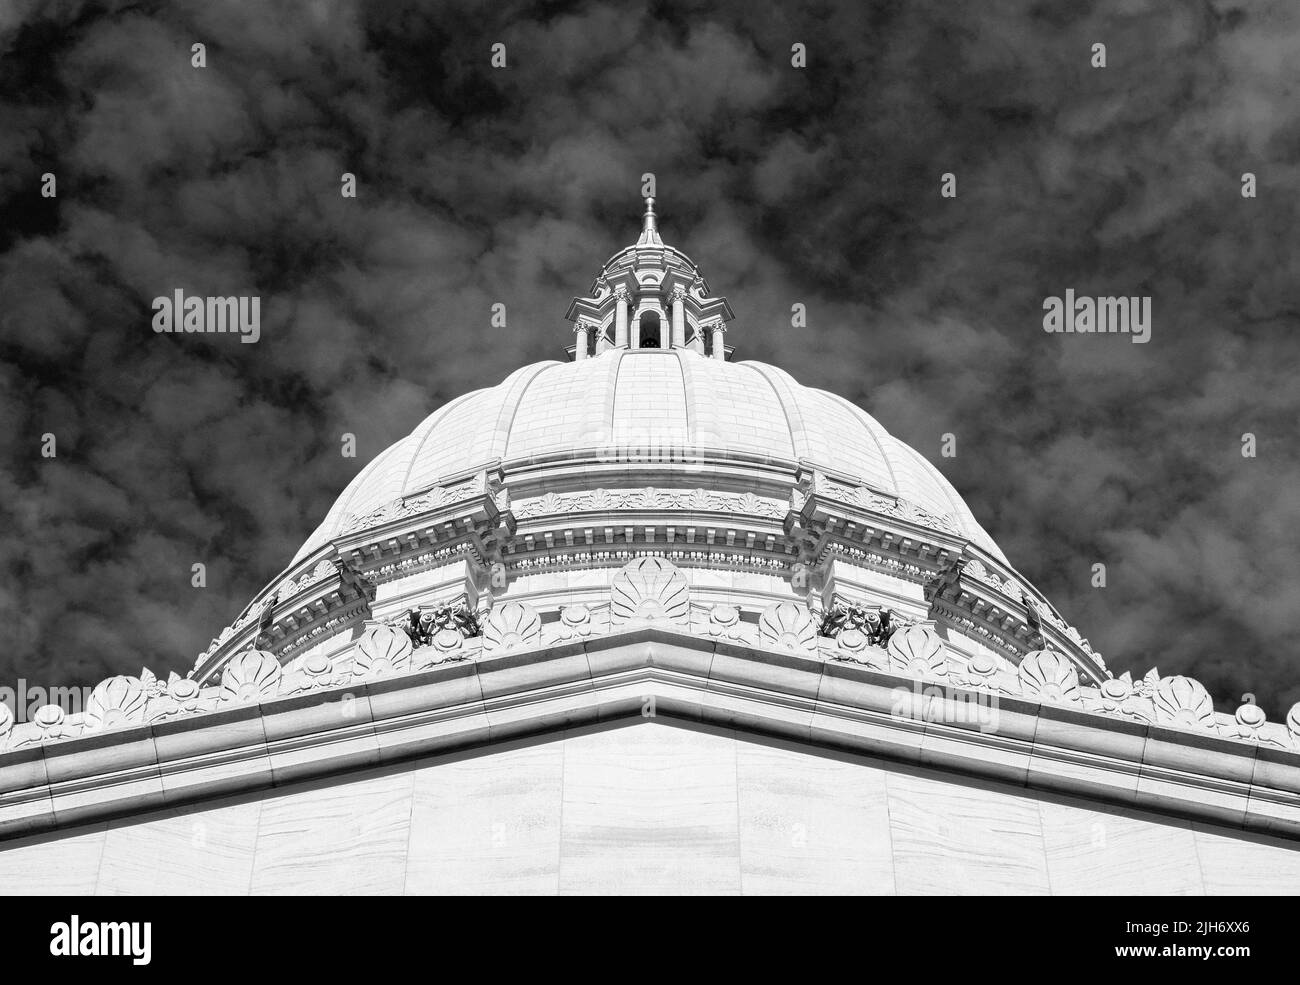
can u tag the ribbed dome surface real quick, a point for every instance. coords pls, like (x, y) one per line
(649, 399)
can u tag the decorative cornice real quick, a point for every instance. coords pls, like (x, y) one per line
(963, 588)
(650, 588)
(435, 498)
(327, 595)
(649, 498)
(869, 499)
(266, 724)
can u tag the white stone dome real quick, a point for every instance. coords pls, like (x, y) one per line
(673, 404)
(653, 476)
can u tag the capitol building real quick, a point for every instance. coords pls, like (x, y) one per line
(650, 619)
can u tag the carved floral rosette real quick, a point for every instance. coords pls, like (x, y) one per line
(577, 621)
(49, 724)
(1116, 693)
(181, 696)
(981, 671)
(722, 621)
(1246, 723)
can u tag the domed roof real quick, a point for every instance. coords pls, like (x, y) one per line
(653, 400)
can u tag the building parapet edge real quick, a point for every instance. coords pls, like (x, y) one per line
(397, 713)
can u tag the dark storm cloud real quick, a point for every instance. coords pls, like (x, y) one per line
(819, 186)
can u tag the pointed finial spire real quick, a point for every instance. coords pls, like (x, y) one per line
(649, 232)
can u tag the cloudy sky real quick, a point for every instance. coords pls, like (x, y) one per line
(819, 185)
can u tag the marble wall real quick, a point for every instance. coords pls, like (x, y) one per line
(650, 807)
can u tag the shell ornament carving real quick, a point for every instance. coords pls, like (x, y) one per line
(1183, 703)
(650, 588)
(251, 676)
(1046, 675)
(115, 702)
(382, 650)
(510, 626)
(788, 626)
(1292, 725)
(917, 651)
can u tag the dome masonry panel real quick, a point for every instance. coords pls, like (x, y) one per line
(652, 528)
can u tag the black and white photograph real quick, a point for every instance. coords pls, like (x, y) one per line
(674, 449)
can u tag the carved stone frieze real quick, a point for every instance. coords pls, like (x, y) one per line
(891, 506)
(409, 506)
(650, 498)
(649, 588)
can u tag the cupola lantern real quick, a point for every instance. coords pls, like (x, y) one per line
(649, 296)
